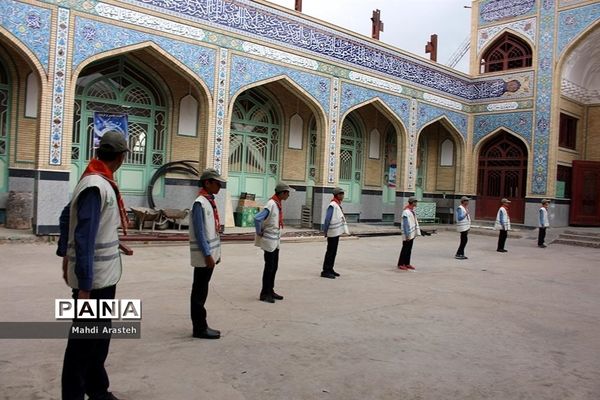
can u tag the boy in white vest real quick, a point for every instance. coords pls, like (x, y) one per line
(410, 230)
(334, 226)
(205, 249)
(503, 225)
(463, 224)
(268, 224)
(92, 262)
(543, 223)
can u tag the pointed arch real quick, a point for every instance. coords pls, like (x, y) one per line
(21, 49)
(483, 140)
(292, 86)
(156, 51)
(387, 111)
(442, 119)
(508, 50)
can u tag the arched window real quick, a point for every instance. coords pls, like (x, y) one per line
(507, 52)
(118, 86)
(351, 151)
(188, 116)
(254, 144)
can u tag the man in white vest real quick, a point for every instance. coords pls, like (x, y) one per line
(503, 225)
(334, 226)
(93, 262)
(543, 223)
(463, 224)
(410, 230)
(269, 223)
(205, 249)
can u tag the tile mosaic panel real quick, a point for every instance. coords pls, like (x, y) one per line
(527, 27)
(93, 37)
(571, 23)
(273, 26)
(431, 98)
(29, 24)
(245, 71)
(497, 10)
(353, 94)
(334, 117)
(412, 145)
(428, 113)
(223, 75)
(545, 54)
(517, 122)
(58, 92)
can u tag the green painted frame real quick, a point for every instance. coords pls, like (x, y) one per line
(351, 154)
(255, 148)
(141, 95)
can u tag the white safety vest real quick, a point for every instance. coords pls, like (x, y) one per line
(543, 222)
(210, 233)
(107, 259)
(337, 225)
(271, 234)
(413, 224)
(465, 224)
(502, 212)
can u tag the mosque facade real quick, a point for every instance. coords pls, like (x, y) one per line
(263, 93)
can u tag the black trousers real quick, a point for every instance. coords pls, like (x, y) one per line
(202, 277)
(502, 239)
(541, 236)
(332, 246)
(83, 367)
(268, 278)
(464, 238)
(406, 252)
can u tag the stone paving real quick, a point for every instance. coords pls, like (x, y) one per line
(520, 325)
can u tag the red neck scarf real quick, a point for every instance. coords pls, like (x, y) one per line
(211, 200)
(411, 208)
(97, 167)
(277, 201)
(339, 203)
(506, 208)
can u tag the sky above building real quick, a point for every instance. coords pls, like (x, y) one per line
(408, 24)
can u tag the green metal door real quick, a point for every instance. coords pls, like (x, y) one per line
(351, 154)
(4, 128)
(254, 150)
(117, 86)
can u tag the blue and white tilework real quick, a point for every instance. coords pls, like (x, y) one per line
(58, 92)
(491, 11)
(526, 27)
(545, 56)
(573, 22)
(93, 37)
(517, 122)
(273, 26)
(29, 24)
(223, 74)
(428, 113)
(353, 95)
(245, 71)
(412, 145)
(334, 117)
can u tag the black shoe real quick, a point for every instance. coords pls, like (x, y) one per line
(461, 257)
(276, 296)
(104, 396)
(267, 298)
(542, 246)
(207, 334)
(502, 251)
(335, 273)
(329, 275)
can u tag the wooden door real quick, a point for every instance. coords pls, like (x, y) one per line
(502, 174)
(585, 198)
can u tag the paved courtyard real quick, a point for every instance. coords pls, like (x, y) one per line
(520, 325)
